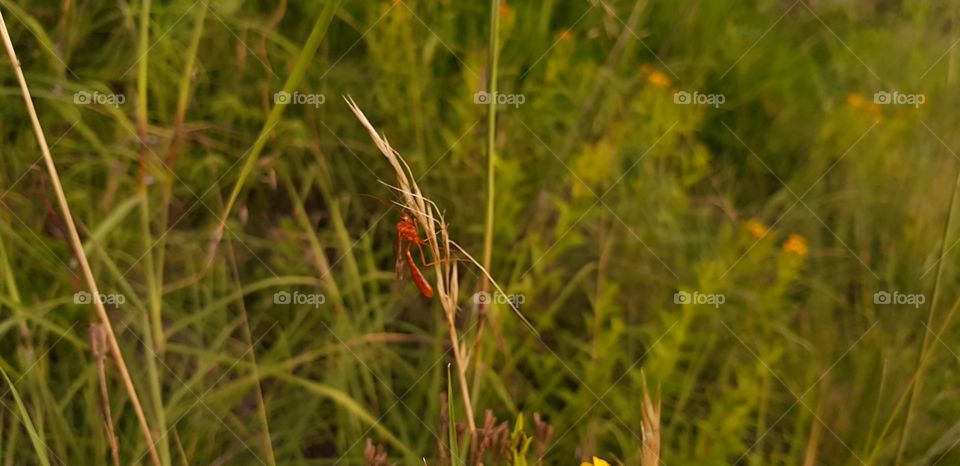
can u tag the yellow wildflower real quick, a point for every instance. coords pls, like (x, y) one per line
(855, 100)
(796, 244)
(756, 228)
(596, 462)
(657, 78)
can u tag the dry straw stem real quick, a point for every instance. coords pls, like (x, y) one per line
(650, 427)
(99, 350)
(75, 242)
(430, 220)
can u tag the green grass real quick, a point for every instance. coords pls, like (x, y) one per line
(607, 199)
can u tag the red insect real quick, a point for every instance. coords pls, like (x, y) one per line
(407, 234)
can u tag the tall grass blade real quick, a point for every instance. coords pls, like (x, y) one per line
(304, 60)
(38, 445)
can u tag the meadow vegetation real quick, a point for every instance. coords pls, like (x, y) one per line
(720, 232)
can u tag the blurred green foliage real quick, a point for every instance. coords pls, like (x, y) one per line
(610, 198)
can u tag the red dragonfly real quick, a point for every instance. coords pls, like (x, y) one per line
(408, 235)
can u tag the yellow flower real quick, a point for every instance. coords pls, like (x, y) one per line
(855, 100)
(756, 228)
(796, 244)
(596, 462)
(657, 78)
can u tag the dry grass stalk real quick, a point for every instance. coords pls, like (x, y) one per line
(99, 349)
(650, 427)
(442, 454)
(375, 454)
(430, 220)
(77, 245)
(493, 437)
(543, 434)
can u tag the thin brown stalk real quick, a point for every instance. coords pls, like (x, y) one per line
(813, 444)
(543, 434)
(261, 405)
(650, 427)
(99, 350)
(77, 245)
(183, 453)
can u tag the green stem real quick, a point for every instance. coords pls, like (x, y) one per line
(491, 132)
(494, 60)
(154, 322)
(170, 159)
(261, 404)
